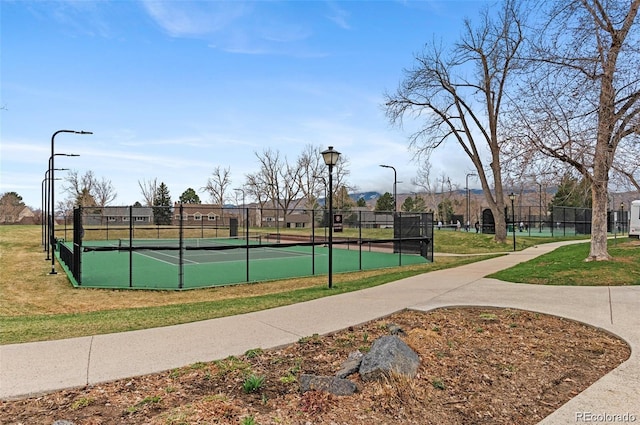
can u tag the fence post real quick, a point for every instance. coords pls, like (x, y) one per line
(130, 246)
(181, 249)
(77, 245)
(360, 240)
(313, 242)
(399, 215)
(246, 226)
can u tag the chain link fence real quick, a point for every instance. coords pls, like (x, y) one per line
(198, 245)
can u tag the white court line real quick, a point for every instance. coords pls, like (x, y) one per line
(244, 260)
(166, 255)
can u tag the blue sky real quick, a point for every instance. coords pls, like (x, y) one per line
(173, 89)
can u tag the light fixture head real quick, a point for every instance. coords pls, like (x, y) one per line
(330, 156)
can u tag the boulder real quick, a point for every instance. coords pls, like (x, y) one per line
(388, 355)
(351, 365)
(395, 329)
(331, 384)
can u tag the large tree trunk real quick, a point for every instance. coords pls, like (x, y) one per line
(501, 225)
(600, 184)
(599, 250)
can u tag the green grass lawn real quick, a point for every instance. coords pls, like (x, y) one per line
(566, 266)
(36, 306)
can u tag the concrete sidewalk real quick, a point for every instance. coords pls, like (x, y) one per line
(32, 368)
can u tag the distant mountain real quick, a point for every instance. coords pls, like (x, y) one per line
(368, 196)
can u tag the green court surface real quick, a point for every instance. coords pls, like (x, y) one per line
(161, 269)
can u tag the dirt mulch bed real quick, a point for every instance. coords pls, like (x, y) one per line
(478, 366)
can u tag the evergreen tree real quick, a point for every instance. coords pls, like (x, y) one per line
(415, 204)
(572, 193)
(385, 202)
(10, 206)
(11, 199)
(419, 204)
(361, 202)
(189, 196)
(162, 205)
(408, 205)
(445, 211)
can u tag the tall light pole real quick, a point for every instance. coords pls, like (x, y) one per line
(512, 196)
(49, 218)
(44, 220)
(330, 157)
(52, 237)
(395, 184)
(243, 204)
(276, 205)
(325, 214)
(468, 222)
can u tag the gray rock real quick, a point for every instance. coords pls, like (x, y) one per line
(63, 422)
(395, 329)
(331, 384)
(389, 354)
(351, 365)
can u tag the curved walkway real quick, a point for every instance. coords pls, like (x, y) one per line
(32, 368)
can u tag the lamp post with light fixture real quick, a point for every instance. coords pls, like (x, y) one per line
(330, 157)
(45, 220)
(239, 189)
(52, 210)
(395, 184)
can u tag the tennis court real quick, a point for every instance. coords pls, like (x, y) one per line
(101, 257)
(165, 269)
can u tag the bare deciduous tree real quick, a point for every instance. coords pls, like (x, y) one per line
(462, 106)
(341, 183)
(311, 168)
(104, 192)
(218, 184)
(423, 181)
(149, 189)
(87, 191)
(279, 178)
(582, 102)
(256, 187)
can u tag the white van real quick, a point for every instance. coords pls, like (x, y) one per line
(634, 220)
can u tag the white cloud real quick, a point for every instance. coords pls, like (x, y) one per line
(338, 15)
(195, 18)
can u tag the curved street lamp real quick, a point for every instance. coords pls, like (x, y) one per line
(395, 184)
(52, 236)
(44, 220)
(330, 157)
